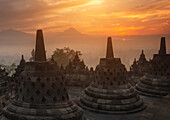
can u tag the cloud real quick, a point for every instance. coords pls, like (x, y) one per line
(90, 16)
(32, 11)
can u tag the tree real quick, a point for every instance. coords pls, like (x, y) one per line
(62, 56)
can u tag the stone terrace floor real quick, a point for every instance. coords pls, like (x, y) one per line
(157, 109)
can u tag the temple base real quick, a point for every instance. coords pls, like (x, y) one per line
(153, 87)
(111, 101)
(66, 111)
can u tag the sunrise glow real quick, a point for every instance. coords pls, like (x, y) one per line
(94, 17)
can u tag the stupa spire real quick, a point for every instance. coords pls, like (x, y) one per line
(40, 54)
(22, 57)
(142, 52)
(162, 46)
(135, 60)
(76, 56)
(22, 60)
(109, 52)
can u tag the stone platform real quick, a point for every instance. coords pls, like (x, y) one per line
(153, 87)
(111, 101)
(157, 109)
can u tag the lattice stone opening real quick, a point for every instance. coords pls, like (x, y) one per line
(63, 98)
(48, 93)
(111, 83)
(27, 91)
(43, 100)
(38, 79)
(23, 98)
(37, 92)
(42, 85)
(32, 99)
(29, 78)
(33, 84)
(53, 85)
(24, 84)
(56, 79)
(54, 99)
(48, 79)
(20, 90)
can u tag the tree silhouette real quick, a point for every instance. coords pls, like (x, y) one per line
(62, 56)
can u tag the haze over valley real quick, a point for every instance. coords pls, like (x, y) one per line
(14, 43)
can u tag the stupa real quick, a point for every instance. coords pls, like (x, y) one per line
(15, 77)
(139, 67)
(42, 93)
(76, 65)
(142, 63)
(111, 92)
(134, 68)
(156, 83)
(20, 67)
(78, 73)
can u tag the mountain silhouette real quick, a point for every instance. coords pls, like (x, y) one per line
(14, 37)
(72, 37)
(93, 47)
(72, 31)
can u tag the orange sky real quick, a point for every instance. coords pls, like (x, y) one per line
(95, 17)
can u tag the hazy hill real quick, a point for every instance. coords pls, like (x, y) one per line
(13, 42)
(13, 37)
(75, 38)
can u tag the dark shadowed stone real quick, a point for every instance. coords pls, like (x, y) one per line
(110, 92)
(40, 54)
(162, 46)
(109, 52)
(156, 83)
(38, 98)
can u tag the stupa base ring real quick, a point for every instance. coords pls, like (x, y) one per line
(71, 112)
(142, 107)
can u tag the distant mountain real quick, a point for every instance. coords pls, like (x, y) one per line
(70, 36)
(14, 37)
(73, 38)
(71, 31)
(13, 32)
(93, 47)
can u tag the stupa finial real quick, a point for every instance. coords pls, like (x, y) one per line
(162, 46)
(40, 54)
(109, 52)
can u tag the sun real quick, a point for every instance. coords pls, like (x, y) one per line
(96, 2)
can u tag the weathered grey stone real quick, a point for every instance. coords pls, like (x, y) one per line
(156, 83)
(110, 92)
(42, 92)
(77, 73)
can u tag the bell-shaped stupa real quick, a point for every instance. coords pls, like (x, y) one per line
(42, 92)
(156, 83)
(111, 92)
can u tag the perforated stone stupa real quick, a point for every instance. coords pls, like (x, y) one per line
(78, 73)
(110, 92)
(42, 93)
(15, 77)
(138, 69)
(156, 83)
(20, 67)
